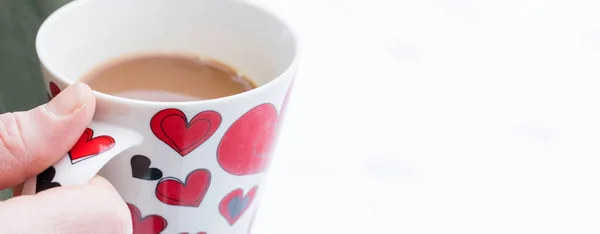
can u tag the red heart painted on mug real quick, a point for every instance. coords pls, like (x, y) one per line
(151, 224)
(54, 89)
(235, 204)
(172, 127)
(88, 147)
(172, 191)
(245, 148)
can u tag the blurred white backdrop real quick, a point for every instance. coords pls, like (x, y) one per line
(440, 116)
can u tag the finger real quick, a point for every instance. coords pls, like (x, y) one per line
(90, 209)
(31, 141)
(96, 181)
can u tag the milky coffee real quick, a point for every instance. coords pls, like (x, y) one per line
(167, 78)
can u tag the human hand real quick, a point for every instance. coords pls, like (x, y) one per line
(32, 141)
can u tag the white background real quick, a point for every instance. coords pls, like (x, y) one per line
(440, 116)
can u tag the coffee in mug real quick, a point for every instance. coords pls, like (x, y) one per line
(167, 77)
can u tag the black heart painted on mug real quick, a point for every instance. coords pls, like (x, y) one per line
(44, 180)
(140, 168)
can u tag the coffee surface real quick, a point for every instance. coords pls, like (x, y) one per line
(167, 78)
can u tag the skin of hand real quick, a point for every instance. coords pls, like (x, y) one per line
(32, 141)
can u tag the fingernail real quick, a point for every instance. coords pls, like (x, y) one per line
(67, 101)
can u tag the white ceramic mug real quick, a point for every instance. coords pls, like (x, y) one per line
(182, 167)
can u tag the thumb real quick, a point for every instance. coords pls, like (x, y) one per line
(92, 208)
(31, 141)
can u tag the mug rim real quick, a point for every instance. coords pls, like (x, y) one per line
(111, 98)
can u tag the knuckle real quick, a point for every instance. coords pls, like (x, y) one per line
(10, 134)
(12, 141)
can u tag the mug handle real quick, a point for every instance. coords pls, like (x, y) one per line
(99, 143)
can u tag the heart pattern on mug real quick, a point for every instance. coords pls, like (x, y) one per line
(151, 224)
(88, 146)
(173, 191)
(245, 147)
(235, 204)
(140, 168)
(44, 180)
(172, 127)
(54, 89)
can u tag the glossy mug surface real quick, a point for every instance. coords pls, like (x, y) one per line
(182, 167)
